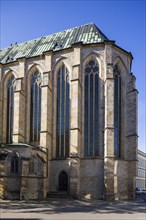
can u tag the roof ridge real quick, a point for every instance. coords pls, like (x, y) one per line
(36, 39)
(100, 32)
(87, 33)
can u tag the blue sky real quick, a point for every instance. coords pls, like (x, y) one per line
(123, 21)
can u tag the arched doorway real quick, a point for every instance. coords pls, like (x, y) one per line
(63, 181)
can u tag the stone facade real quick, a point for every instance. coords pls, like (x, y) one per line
(29, 181)
(101, 176)
(141, 170)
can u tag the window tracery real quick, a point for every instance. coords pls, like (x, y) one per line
(91, 81)
(117, 112)
(35, 108)
(63, 113)
(10, 109)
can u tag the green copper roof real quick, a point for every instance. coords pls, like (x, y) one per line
(87, 34)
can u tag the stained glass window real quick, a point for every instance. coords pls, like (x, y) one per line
(63, 113)
(10, 108)
(91, 81)
(117, 112)
(35, 108)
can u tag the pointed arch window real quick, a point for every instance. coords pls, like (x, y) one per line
(63, 113)
(35, 108)
(91, 81)
(117, 112)
(10, 109)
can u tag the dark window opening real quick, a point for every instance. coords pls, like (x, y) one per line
(63, 181)
(63, 113)
(57, 45)
(117, 112)
(10, 109)
(91, 81)
(14, 165)
(35, 108)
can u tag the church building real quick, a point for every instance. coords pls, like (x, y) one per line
(68, 117)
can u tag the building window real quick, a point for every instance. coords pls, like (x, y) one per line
(117, 112)
(91, 93)
(10, 109)
(63, 113)
(14, 165)
(35, 108)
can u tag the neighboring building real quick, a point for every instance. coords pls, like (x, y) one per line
(141, 171)
(68, 117)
